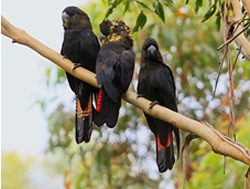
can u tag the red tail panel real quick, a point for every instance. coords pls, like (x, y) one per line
(159, 146)
(83, 113)
(169, 139)
(99, 101)
(83, 122)
(87, 111)
(79, 112)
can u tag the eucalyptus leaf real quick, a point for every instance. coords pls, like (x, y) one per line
(143, 5)
(127, 6)
(218, 19)
(210, 11)
(140, 22)
(198, 4)
(159, 10)
(112, 7)
(169, 2)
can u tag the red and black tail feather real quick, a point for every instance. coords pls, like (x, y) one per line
(165, 152)
(99, 100)
(83, 121)
(106, 110)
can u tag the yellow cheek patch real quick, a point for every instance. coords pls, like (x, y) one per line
(113, 37)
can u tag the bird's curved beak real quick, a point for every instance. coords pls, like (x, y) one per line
(151, 50)
(65, 18)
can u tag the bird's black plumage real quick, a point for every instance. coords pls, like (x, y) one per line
(156, 83)
(81, 46)
(114, 70)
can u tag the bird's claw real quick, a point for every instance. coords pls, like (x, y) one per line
(152, 104)
(76, 66)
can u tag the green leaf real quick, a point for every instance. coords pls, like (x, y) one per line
(210, 11)
(218, 18)
(140, 22)
(198, 4)
(169, 2)
(159, 10)
(112, 7)
(143, 5)
(187, 1)
(127, 6)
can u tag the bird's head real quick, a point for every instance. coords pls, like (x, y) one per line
(150, 50)
(73, 16)
(114, 29)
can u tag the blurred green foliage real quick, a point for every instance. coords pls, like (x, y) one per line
(124, 157)
(14, 171)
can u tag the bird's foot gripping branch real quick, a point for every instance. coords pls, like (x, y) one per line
(219, 143)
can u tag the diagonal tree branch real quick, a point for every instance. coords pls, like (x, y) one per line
(246, 3)
(241, 40)
(219, 143)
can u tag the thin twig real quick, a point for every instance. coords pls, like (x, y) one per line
(236, 59)
(240, 22)
(226, 36)
(219, 73)
(233, 38)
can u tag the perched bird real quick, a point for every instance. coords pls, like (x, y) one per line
(156, 83)
(114, 70)
(81, 46)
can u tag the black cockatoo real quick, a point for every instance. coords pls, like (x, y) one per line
(156, 83)
(114, 70)
(81, 46)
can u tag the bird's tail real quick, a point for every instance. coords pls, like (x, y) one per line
(165, 153)
(107, 110)
(83, 121)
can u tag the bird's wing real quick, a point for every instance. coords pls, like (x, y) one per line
(166, 88)
(89, 45)
(127, 68)
(104, 66)
(170, 75)
(167, 96)
(105, 72)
